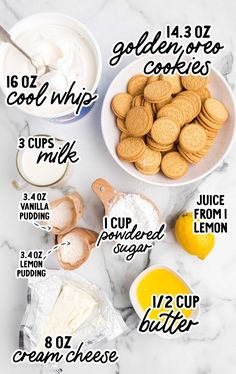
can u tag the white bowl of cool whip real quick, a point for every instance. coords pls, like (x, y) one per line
(62, 42)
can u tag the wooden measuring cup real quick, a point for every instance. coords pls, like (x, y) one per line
(107, 194)
(88, 238)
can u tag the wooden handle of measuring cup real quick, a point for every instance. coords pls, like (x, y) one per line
(105, 192)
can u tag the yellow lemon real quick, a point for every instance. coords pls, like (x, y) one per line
(196, 244)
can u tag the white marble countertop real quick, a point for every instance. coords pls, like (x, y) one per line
(210, 348)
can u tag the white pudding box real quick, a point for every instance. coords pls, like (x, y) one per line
(67, 46)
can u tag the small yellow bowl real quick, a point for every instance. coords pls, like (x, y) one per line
(136, 304)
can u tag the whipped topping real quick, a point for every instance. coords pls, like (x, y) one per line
(67, 52)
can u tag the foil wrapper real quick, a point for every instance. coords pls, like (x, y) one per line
(104, 324)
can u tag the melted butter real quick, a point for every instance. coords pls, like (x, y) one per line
(157, 282)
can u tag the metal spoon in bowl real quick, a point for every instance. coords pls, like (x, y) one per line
(5, 37)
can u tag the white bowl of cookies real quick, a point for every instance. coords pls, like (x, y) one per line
(168, 130)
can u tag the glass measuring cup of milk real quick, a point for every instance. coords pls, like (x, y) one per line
(42, 174)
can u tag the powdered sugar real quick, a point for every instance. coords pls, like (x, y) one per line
(140, 210)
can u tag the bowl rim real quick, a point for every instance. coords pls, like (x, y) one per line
(135, 304)
(88, 35)
(163, 184)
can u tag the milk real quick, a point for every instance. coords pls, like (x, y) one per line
(43, 173)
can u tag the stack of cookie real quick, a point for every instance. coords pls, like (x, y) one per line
(166, 122)
(193, 143)
(158, 93)
(212, 116)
